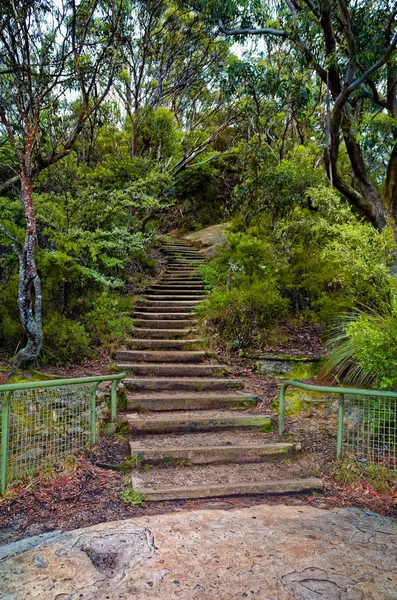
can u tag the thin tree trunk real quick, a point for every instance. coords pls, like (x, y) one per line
(29, 285)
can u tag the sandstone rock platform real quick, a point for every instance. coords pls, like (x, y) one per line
(272, 552)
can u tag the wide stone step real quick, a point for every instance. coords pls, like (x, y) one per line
(145, 344)
(170, 356)
(163, 333)
(154, 316)
(164, 323)
(214, 481)
(196, 384)
(174, 370)
(206, 455)
(293, 486)
(199, 422)
(190, 401)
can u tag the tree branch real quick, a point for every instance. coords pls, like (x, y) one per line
(251, 31)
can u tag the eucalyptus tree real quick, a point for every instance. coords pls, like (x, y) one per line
(173, 59)
(351, 47)
(58, 59)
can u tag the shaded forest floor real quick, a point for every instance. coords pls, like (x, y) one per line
(80, 494)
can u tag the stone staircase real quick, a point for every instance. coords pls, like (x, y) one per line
(184, 410)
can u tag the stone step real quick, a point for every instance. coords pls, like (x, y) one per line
(175, 356)
(181, 248)
(173, 370)
(181, 270)
(174, 297)
(164, 310)
(198, 422)
(196, 384)
(154, 316)
(171, 290)
(164, 323)
(162, 333)
(167, 304)
(175, 255)
(171, 285)
(192, 401)
(206, 455)
(188, 262)
(282, 486)
(176, 278)
(146, 344)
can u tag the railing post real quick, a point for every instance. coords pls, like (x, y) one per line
(341, 419)
(5, 432)
(281, 409)
(93, 412)
(113, 398)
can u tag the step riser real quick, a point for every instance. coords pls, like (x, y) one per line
(159, 370)
(161, 357)
(213, 455)
(165, 334)
(164, 324)
(139, 385)
(156, 426)
(188, 403)
(232, 489)
(145, 344)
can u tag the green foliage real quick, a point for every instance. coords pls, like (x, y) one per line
(131, 496)
(363, 349)
(348, 471)
(65, 340)
(316, 261)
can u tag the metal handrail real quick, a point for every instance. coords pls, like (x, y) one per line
(9, 388)
(341, 391)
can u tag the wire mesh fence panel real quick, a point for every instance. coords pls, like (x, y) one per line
(46, 424)
(370, 429)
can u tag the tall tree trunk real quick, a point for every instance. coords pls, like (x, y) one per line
(29, 285)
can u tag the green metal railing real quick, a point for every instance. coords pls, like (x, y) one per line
(57, 415)
(370, 431)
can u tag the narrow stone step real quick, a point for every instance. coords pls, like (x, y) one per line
(170, 356)
(190, 400)
(154, 316)
(145, 344)
(242, 488)
(163, 333)
(174, 370)
(164, 323)
(206, 455)
(195, 384)
(199, 422)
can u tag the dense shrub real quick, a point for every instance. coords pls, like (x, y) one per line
(317, 261)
